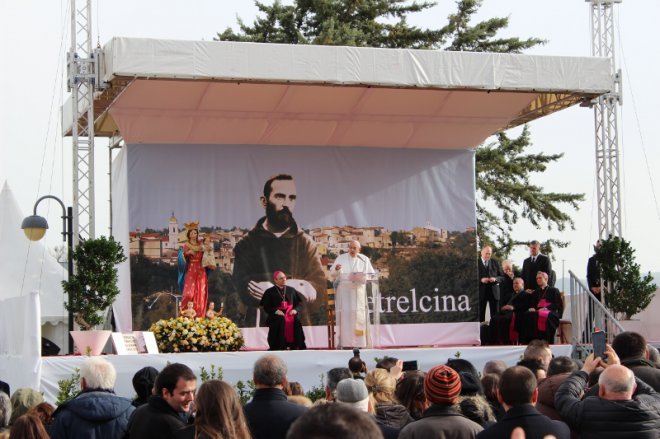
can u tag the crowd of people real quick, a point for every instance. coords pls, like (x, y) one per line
(541, 395)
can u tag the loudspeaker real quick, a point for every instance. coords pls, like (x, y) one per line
(48, 348)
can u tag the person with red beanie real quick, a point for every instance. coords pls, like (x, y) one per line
(442, 420)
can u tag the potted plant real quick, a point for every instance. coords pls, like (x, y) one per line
(93, 287)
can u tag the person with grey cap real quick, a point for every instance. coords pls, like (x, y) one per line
(334, 376)
(354, 392)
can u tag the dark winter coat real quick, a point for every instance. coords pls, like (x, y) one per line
(155, 420)
(547, 390)
(441, 422)
(269, 415)
(598, 418)
(392, 415)
(477, 409)
(93, 415)
(536, 425)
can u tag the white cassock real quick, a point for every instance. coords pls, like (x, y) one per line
(351, 306)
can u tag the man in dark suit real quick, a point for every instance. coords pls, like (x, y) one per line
(593, 273)
(593, 282)
(490, 276)
(517, 393)
(535, 263)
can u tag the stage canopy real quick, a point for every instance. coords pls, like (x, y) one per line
(210, 92)
(167, 92)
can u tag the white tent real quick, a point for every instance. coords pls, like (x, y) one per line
(29, 267)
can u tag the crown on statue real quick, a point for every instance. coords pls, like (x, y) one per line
(192, 225)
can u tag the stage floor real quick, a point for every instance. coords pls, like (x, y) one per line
(305, 367)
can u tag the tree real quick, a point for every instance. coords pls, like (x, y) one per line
(397, 237)
(503, 169)
(627, 291)
(338, 23)
(481, 37)
(504, 174)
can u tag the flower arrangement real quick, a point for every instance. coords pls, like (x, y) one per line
(184, 334)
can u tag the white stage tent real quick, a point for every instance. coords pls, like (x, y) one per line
(210, 92)
(31, 297)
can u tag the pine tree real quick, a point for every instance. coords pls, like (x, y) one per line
(503, 169)
(503, 181)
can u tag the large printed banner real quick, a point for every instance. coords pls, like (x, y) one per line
(412, 210)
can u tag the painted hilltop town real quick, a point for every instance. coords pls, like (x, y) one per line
(331, 241)
(403, 259)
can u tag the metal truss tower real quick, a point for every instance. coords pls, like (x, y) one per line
(82, 70)
(608, 185)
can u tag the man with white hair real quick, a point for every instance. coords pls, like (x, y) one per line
(349, 274)
(96, 412)
(625, 405)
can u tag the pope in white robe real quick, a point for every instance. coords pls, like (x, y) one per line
(349, 273)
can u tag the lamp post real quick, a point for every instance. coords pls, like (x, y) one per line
(35, 227)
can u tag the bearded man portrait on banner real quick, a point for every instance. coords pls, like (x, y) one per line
(193, 281)
(276, 243)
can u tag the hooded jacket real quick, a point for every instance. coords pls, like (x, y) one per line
(94, 414)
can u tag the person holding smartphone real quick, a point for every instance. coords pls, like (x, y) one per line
(624, 407)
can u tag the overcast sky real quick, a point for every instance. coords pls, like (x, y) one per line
(34, 160)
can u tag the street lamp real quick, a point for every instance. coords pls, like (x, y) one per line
(35, 227)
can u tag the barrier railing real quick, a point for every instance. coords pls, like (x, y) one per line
(587, 315)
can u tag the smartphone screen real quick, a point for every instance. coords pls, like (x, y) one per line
(598, 339)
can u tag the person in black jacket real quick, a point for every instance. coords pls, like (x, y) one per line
(490, 276)
(517, 393)
(631, 348)
(143, 383)
(535, 263)
(625, 405)
(168, 410)
(270, 414)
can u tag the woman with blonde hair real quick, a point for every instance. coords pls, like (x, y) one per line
(388, 411)
(219, 414)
